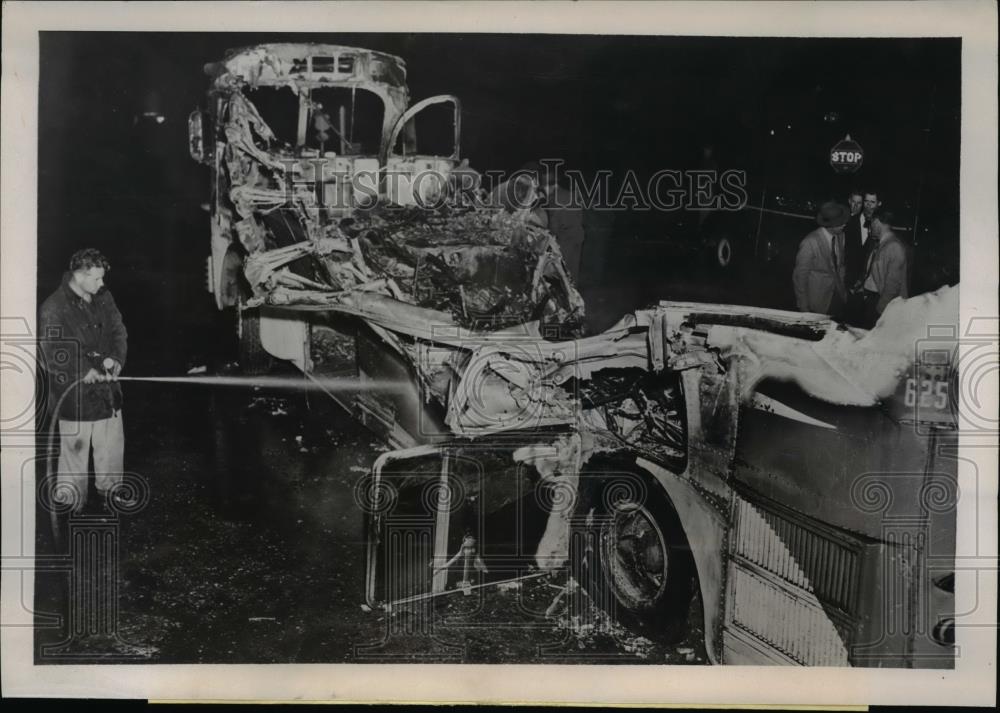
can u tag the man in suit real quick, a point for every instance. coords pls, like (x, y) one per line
(855, 199)
(857, 246)
(859, 243)
(818, 276)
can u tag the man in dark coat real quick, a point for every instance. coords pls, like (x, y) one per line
(83, 343)
(859, 243)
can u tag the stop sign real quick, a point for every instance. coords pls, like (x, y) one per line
(846, 156)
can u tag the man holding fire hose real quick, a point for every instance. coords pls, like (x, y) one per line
(83, 313)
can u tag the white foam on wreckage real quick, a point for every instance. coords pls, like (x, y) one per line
(850, 367)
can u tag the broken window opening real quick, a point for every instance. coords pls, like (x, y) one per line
(325, 65)
(345, 121)
(429, 132)
(279, 108)
(283, 228)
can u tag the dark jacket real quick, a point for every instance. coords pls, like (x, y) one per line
(74, 336)
(855, 253)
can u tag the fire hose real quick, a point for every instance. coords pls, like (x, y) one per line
(466, 551)
(327, 385)
(50, 477)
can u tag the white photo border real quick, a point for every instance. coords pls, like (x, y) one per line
(973, 680)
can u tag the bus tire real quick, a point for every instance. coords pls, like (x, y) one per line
(725, 252)
(232, 285)
(253, 358)
(633, 559)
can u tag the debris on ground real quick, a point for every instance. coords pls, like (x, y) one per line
(274, 406)
(511, 586)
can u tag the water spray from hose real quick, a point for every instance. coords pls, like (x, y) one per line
(276, 382)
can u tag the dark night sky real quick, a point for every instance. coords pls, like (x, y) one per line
(599, 102)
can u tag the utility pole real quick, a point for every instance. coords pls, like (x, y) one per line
(923, 163)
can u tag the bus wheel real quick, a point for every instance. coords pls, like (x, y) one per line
(724, 252)
(254, 359)
(636, 563)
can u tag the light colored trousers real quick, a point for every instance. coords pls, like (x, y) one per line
(107, 437)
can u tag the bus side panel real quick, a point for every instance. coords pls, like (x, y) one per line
(853, 508)
(791, 593)
(848, 466)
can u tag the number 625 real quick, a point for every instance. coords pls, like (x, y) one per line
(933, 393)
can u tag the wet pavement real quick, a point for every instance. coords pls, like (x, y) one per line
(251, 549)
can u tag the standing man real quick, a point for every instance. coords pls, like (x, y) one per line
(886, 277)
(854, 202)
(859, 244)
(82, 312)
(818, 276)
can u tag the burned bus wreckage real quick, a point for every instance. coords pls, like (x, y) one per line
(795, 473)
(320, 227)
